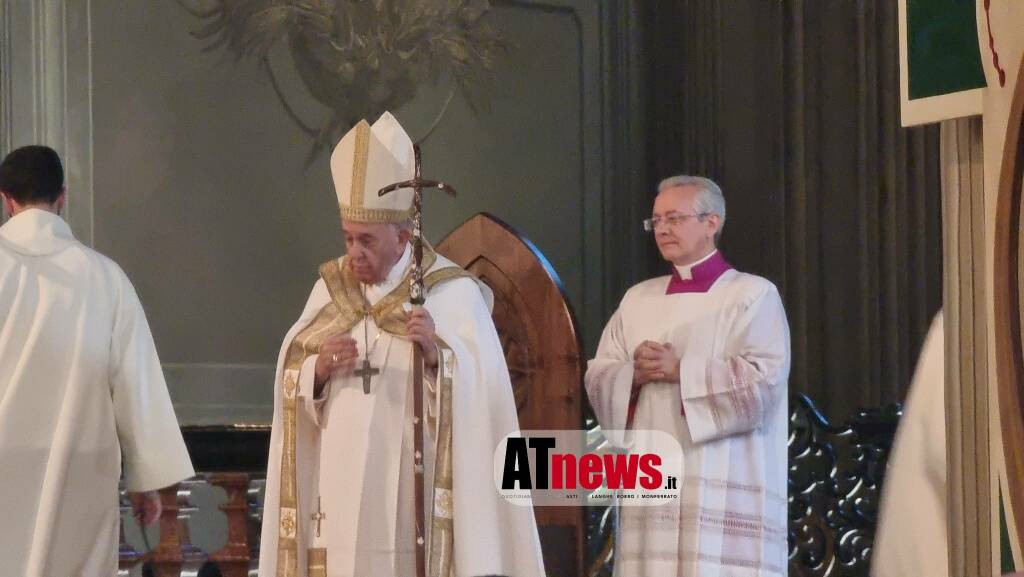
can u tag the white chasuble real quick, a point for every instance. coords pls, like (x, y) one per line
(911, 537)
(82, 399)
(353, 452)
(728, 412)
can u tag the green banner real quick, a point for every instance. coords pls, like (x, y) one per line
(942, 48)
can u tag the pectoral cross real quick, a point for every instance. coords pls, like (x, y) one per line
(367, 372)
(318, 516)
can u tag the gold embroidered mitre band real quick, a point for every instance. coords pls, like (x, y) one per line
(366, 160)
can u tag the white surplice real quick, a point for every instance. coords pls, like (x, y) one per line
(911, 536)
(355, 450)
(82, 396)
(733, 341)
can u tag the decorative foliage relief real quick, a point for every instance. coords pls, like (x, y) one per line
(358, 58)
(835, 482)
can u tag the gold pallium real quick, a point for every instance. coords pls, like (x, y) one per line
(306, 343)
(317, 561)
(328, 321)
(388, 313)
(287, 563)
(347, 307)
(287, 542)
(442, 535)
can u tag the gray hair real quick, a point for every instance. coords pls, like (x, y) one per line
(710, 200)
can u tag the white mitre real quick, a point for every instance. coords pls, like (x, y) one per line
(366, 160)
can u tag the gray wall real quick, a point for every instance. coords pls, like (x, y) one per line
(185, 169)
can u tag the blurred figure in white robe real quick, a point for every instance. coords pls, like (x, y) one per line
(911, 536)
(82, 395)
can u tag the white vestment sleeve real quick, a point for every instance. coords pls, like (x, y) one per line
(609, 378)
(732, 394)
(153, 451)
(313, 405)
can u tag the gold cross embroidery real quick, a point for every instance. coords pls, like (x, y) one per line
(318, 516)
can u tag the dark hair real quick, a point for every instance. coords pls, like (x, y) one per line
(32, 175)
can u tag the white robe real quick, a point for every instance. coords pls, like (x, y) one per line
(82, 397)
(733, 341)
(354, 450)
(911, 535)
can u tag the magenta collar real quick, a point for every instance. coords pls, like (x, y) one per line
(703, 276)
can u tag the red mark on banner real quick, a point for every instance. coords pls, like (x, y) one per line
(992, 45)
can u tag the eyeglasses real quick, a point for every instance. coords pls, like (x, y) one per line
(672, 221)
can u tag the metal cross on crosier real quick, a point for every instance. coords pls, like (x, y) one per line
(417, 184)
(416, 297)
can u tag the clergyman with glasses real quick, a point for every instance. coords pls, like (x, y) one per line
(702, 353)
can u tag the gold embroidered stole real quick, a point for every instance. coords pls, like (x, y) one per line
(441, 552)
(347, 307)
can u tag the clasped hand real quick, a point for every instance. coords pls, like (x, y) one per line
(655, 362)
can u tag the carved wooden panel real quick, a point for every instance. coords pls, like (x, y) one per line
(835, 482)
(539, 334)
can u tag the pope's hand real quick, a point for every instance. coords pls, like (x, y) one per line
(420, 327)
(337, 356)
